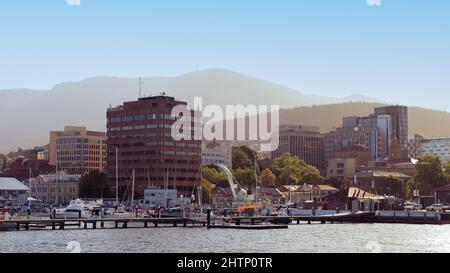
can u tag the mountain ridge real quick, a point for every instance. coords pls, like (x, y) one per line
(33, 114)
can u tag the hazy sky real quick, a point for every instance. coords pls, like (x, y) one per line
(398, 51)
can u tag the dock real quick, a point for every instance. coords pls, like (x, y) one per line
(250, 227)
(400, 217)
(98, 223)
(238, 222)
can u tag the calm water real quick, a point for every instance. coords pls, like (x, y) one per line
(302, 238)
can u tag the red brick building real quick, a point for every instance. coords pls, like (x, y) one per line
(141, 131)
(20, 168)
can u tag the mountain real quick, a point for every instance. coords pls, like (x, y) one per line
(32, 114)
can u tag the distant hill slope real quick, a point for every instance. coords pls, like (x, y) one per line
(28, 116)
(32, 114)
(427, 122)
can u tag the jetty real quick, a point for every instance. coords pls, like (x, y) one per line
(400, 217)
(98, 223)
(237, 222)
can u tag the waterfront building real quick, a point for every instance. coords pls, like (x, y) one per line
(407, 168)
(296, 193)
(222, 197)
(306, 142)
(12, 192)
(374, 181)
(139, 141)
(77, 150)
(24, 168)
(53, 188)
(354, 199)
(306, 193)
(160, 198)
(320, 192)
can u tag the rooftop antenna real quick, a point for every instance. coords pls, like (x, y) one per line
(140, 87)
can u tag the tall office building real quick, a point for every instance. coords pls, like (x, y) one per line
(399, 116)
(306, 142)
(77, 150)
(352, 133)
(381, 133)
(141, 133)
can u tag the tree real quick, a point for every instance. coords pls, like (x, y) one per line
(447, 171)
(268, 179)
(392, 186)
(207, 188)
(94, 185)
(311, 175)
(245, 177)
(251, 154)
(240, 159)
(215, 177)
(292, 170)
(429, 174)
(5, 166)
(410, 189)
(338, 183)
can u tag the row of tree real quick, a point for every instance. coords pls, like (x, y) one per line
(288, 170)
(430, 174)
(284, 170)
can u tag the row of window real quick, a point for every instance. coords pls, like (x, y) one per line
(150, 135)
(142, 118)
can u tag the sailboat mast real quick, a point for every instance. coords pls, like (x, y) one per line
(56, 181)
(117, 175)
(132, 187)
(256, 179)
(31, 187)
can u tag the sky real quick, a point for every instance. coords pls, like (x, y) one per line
(394, 50)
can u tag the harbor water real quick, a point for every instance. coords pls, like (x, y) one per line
(316, 238)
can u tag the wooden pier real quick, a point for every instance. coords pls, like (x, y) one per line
(98, 223)
(356, 217)
(242, 222)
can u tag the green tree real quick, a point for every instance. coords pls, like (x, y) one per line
(207, 189)
(94, 185)
(268, 179)
(245, 177)
(311, 175)
(392, 186)
(429, 174)
(240, 159)
(292, 170)
(334, 182)
(410, 189)
(251, 154)
(215, 177)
